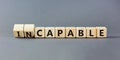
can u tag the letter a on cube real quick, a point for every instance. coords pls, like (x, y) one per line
(70, 32)
(49, 32)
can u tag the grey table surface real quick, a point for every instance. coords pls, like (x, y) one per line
(60, 13)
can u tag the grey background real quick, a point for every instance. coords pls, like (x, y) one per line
(60, 13)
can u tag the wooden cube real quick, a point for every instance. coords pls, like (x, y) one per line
(60, 32)
(91, 32)
(80, 32)
(49, 32)
(29, 30)
(39, 32)
(70, 32)
(18, 30)
(101, 32)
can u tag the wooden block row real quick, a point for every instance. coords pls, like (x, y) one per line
(24, 30)
(30, 31)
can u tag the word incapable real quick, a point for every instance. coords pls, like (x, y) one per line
(30, 31)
